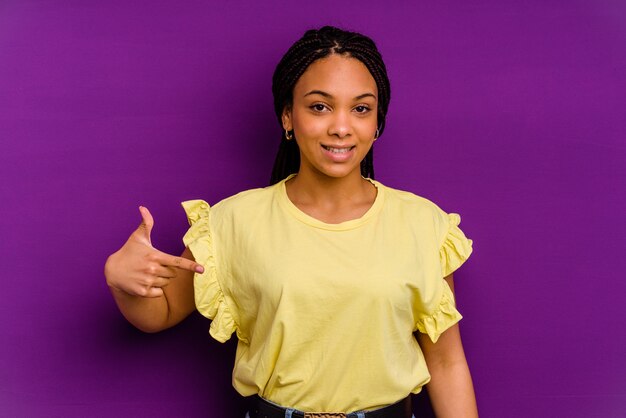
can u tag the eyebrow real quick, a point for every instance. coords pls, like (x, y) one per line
(330, 96)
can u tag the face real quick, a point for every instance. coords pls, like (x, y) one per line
(333, 116)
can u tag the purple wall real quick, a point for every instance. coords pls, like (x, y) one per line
(511, 113)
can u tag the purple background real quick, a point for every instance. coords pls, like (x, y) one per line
(510, 113)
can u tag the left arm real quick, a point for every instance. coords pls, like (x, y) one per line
(450, 389)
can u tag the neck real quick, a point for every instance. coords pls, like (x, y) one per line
(329, 199)
(312, 187)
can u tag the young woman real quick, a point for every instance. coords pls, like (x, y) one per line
(338, 288)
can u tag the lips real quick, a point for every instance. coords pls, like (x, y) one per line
(338, 150)
(339, 154)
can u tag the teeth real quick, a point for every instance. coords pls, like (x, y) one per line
(337, 150)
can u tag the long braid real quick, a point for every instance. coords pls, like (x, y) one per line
(314, 45)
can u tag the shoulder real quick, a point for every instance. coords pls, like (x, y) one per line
(416, 212)
(408, 201)
(248, 201)
(419, 211)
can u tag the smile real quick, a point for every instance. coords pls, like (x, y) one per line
(338, 150)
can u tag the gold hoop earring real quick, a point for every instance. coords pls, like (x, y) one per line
(288, 135)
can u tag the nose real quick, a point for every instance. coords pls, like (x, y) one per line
(340, 125)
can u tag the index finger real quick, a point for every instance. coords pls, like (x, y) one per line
(180, 262)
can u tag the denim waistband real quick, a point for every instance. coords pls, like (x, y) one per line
(262, 408)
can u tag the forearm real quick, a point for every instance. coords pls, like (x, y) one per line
(451, 390)
(146, 314)
(152, 295)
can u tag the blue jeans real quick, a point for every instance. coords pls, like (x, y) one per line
(248, 415)
(290, 411)
(287, 412)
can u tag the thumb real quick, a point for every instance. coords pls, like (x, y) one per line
(147, 222)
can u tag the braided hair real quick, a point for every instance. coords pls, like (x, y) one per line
(314, 45)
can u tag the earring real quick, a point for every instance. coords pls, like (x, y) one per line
(288, 135)
(377, 134)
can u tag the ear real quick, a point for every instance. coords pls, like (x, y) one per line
(286, 118)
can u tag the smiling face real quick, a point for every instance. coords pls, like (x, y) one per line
(333, 116)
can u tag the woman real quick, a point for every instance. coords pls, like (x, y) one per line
(325, 275)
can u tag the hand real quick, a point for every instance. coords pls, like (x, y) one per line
(139, 269)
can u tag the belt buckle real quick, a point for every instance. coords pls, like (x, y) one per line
(324, 415)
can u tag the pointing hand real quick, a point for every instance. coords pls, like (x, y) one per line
(139, 269)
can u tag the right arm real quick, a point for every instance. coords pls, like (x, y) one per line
(152, 289)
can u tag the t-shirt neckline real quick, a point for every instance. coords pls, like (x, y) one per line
(284, 200)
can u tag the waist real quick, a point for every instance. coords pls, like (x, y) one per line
(265, 409)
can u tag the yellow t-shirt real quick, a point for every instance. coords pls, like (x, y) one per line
(325, 313)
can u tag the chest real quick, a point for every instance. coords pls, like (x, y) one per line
(381, 263)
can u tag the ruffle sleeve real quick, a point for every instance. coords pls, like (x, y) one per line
(456, 248)
(209, 297)
(444, 316)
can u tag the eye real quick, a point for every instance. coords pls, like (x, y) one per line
(319, 107)
(362, 109)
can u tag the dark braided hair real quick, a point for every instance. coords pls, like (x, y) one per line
(314, 45)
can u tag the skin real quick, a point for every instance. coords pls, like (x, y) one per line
(450, 388)
(152, 289)
(334, 106)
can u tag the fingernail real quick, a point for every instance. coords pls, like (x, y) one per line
(199, 269)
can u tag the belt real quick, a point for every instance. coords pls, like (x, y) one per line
(264, 409)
